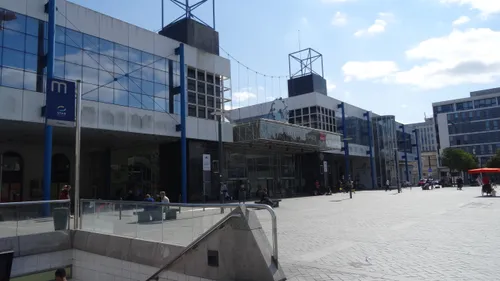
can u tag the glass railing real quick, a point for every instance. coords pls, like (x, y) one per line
(177, 224)
(32, 217)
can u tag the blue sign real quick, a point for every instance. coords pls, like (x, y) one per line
(60, 106)
(430, 170)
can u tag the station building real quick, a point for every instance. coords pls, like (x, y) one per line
(285, 144)
(130, 105)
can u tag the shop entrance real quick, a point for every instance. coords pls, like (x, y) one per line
(12, 177)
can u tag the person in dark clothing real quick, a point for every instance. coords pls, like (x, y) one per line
(60, 274)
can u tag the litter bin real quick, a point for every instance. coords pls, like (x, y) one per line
(60, 216)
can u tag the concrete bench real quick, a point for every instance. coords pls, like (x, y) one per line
(276, 203)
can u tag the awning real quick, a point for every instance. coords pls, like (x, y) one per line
(484, 170)
(271, 131)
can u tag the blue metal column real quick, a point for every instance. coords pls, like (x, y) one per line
(418, 154)
(346, 143)
(406, 153)
(370, 143)
(180, 53)
(47, 152)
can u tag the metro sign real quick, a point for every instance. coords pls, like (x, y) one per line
(60, 105)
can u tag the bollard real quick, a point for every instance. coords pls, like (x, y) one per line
(120, 210)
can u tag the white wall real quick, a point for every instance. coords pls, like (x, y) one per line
(444, 135)
(41, 262)
(92, 267)
(22, 105)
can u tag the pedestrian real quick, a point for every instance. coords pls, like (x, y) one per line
(242, 194)
(60, 274)
(223, 192)
(387, 185)
(163, 197)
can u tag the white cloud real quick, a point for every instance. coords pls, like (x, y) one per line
(461, 20)
(304, 21)
(468, 56)
(339, 19)
(378, 26)
(486, 7)
(356, 70)
(243, 96)
(330, 86)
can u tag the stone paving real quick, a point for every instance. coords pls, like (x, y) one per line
(442, 234)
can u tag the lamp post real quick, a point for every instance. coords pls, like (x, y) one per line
(370, 143)
(415, 131)
(220, 115)
(396, 166)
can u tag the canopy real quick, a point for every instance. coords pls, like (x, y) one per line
(484, 170)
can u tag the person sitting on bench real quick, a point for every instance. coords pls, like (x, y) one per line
(264, 197)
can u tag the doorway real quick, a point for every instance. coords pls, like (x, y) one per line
(12, 177)
(61, 173)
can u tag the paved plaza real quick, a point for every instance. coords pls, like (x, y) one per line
(442, 234)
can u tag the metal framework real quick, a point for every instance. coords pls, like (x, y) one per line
(188, 11)
(305, 59)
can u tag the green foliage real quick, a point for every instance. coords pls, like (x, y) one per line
(494, 161)
(458, 160)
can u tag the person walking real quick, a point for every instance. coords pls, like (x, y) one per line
(242, 194)
(387, 185)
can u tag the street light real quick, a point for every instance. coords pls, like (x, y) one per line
(346, 152)
(220, 115)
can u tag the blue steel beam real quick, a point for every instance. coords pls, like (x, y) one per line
(346, 143)
(47, 152)
(370, 151)
(180, 52)
(407, 172)
(418, 154)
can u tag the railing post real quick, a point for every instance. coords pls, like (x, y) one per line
(120, 209)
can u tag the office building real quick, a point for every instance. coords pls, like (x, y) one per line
(306, 129)
(471, 124)
(130, 105)
(428, 147)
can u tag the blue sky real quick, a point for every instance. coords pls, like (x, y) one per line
(389, 56)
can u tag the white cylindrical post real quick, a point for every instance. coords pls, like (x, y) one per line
(77, 152)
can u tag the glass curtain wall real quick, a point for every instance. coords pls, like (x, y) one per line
(385, 147)
(277, 173)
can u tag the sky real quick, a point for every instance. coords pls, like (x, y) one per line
(392, 57)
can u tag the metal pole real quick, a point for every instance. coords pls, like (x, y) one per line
(396, 165)
(78, 137)
(183, 123)
(162, 14)
(370, 152)
(418, 154)
(221, 145)
(188, 10)
(406, 154)
(213, 12)
(346, 147)
(47, 152)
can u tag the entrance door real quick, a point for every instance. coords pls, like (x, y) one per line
(61, 172)
(12, 177)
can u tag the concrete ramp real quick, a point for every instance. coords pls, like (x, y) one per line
(237, 249)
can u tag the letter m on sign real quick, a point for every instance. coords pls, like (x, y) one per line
(59, 87)
(60, 105)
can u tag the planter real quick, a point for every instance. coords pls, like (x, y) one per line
(60, 216)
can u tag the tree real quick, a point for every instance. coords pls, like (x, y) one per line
(494, 161)
(458, 160)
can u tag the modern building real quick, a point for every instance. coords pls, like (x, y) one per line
(130, 106)
(471, 124)
(305, 131)
(428, 146)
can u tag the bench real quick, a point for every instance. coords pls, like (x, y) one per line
(276, 202)
(156, 215)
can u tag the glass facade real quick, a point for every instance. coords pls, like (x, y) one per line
(110, 72)
(385, 148)
(315, 117)
(356, 130)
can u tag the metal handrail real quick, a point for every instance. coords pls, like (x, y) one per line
(34, 202)
(274, 221)
(192, 244)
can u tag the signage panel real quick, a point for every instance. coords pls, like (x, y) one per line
(60, 106)
(206, 163)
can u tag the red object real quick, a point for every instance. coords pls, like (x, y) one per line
(484, 170)
(322, 137)
(486, 180)
(64, 194)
